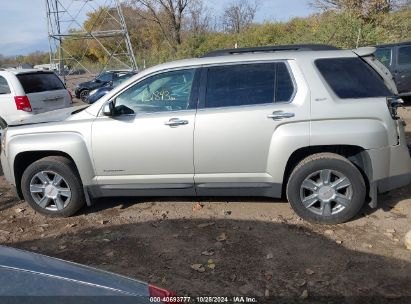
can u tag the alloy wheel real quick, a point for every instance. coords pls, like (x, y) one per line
(326, 192)
(50, 190)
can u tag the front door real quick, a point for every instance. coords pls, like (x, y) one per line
(147, 145)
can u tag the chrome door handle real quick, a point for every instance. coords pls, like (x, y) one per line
(276, 115)
(173, 122)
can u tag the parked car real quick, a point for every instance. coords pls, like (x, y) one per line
(100, 92)
(27, 274)
(397, 58)
(316, 124)
(24, 93)
(83, 89)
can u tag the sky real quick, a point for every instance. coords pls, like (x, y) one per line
(23, 26)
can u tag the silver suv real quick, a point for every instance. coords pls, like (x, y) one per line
(312, 123)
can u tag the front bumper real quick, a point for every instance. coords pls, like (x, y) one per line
(8, 174)
(6, 169)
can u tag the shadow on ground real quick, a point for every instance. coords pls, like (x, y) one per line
(252, 258)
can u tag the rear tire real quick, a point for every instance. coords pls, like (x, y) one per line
(326, 188)
(52, 187)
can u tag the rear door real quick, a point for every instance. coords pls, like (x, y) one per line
(241, 107)
(46, 92)
(403, 69)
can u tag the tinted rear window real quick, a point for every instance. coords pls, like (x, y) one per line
(40, 82)
(352, 78)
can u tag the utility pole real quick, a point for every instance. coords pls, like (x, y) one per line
(65, 20)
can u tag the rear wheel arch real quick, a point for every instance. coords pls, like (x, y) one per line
(355, 154)
(25, 159)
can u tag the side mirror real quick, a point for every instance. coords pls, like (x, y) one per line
(108, 109)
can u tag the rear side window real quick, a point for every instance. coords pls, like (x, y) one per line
(404, 55)
(248, 84)
(40, 82)
(4, 86)
(352, 78)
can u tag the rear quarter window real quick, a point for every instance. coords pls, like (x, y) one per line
(40, 82)
(352, 78)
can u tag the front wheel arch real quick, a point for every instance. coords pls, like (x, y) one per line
(25, 159)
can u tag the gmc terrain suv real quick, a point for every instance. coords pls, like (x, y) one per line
(316, 124)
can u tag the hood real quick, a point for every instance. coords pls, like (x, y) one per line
(22, 264)
(367, 54)
(52, 116)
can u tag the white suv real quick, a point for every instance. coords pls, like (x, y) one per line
(27, 92)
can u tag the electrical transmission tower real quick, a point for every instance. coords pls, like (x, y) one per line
(106, 34)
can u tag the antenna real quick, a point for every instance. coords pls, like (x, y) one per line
(107, 33)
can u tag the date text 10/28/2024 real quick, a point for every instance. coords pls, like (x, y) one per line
(203, 299)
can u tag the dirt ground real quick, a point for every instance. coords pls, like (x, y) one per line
(249, 246)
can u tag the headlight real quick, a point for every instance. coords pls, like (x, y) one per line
(93, 92)
(3, 141)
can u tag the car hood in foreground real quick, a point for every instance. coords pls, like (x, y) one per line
(23, 273)
(52, 116)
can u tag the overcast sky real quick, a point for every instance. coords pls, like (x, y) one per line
(23, 27)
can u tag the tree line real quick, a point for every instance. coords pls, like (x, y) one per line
(162, 30)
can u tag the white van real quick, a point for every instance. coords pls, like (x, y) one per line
(27, 92)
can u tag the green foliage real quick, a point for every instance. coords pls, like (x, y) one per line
(341, 28)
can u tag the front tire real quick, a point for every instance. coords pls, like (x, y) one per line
(84, 94)
(51, 186)
(326, 188)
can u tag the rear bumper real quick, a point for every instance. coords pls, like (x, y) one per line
(391, 166)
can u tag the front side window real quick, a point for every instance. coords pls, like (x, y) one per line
(248, 84)
(404, 55)
(4, 86)
(384, 56)
(168, 91)
(352, 78)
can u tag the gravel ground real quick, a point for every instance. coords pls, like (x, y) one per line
(229, 246)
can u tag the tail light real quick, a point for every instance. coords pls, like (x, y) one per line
(393, 103)
(71, 96)
(166, 296)
(23, 103)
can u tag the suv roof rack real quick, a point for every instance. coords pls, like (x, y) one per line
(274, 48)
